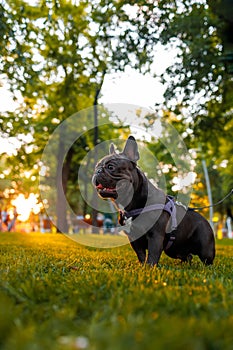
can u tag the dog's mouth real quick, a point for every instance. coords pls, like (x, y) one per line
(106, 192)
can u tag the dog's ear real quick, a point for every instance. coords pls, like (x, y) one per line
(131, 149)
(112, 149)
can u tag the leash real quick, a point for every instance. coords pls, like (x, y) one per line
(169, 207)
(213, 205)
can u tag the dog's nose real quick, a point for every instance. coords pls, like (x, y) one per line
(99, 170)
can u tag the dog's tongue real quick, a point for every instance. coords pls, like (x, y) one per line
(100, 186)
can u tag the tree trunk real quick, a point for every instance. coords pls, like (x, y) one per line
(95, 228)
(61, 207)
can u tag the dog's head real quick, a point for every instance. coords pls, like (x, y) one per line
(115, 174)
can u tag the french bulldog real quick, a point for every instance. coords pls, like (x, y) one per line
(153, 221)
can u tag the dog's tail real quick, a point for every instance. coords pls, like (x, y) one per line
(213, 205)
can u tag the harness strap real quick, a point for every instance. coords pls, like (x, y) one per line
(169, 207)
(139, 211)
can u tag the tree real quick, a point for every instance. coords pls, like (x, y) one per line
(56, 54)
(199, 83)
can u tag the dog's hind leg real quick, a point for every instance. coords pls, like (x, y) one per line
(207, 259)
(187, 258)
(206, 251)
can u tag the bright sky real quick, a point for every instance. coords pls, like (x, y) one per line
(129, 87)
(6, 101)
(132, 88)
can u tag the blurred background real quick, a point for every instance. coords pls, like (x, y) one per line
(59, 57)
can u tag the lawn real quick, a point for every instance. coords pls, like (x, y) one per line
(58, 295)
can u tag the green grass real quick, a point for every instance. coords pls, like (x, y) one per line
(57, 294)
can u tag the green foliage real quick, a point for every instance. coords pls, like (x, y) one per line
(194, 29)
(56, 294)
(199, 83)
(55, 57)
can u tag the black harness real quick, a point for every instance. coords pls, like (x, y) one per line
(169, 207)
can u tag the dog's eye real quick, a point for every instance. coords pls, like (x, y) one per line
(110, 167)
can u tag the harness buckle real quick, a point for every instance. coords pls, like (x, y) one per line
(122, 217)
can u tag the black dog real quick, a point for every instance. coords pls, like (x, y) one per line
(152, 220)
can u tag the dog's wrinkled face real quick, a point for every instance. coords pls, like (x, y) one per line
(114, 175)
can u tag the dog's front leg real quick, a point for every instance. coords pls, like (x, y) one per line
(155, 248)
(139, 246)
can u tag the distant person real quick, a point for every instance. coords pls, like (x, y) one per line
(5, 217)
(108, 225)
(229, 223)
(11, 223)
